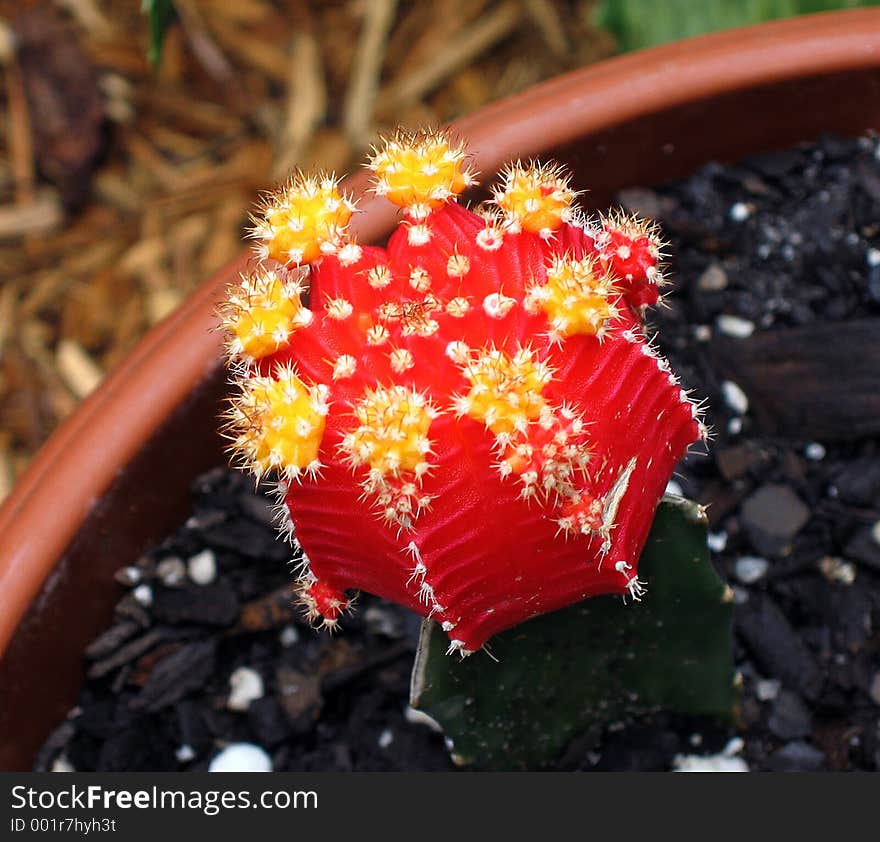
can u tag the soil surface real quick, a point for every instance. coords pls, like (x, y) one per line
(772, 317)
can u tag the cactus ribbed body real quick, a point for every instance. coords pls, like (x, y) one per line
(470, 421)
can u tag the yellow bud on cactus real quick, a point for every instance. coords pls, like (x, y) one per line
(505, 390)
(262, 311)
(534, 198)
(392, 436)
(420, 172)
(303, 219)
(577, 298)
(279, 423)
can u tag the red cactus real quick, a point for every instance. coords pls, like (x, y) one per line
(471, 421)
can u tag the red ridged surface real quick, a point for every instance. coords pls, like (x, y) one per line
(491, 558)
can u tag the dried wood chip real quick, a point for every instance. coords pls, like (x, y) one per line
(478, 38)
(78, 370)
(162, 302)
(7, 471)
(42, 215)
(125, 654)
(363, 84)
(272, 611)
(89, 16)
(65, 105)
(546, 17)
(306, 102)
(300, 696)
(111, 640)
(18, 133)
(811, 382)
(176, 675)
(256, 52)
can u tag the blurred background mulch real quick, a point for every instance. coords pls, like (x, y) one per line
(123, 186)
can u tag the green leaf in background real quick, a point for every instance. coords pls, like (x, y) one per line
(574, 671)
(645, 23)
(161, 14)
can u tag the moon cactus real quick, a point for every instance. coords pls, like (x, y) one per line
(471, 421)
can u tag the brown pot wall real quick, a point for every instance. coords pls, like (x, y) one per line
(115, 477)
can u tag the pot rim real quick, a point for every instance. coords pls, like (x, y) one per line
(83, 456)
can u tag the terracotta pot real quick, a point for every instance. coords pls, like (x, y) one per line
(115, 477)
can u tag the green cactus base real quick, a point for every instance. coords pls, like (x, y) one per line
(570, 673)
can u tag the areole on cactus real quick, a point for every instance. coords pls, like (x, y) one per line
(470, 421)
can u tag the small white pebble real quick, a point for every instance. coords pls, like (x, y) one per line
(713, 279)
(241, 757)
(837, 570)
(130, 575)
(245, 686)
(673, 488)
(62, 764)
(875, 689)
(702, 333)
(289, 636)
(144, 595)
(873, 257)
(735, 326)
(875, 532)
(386, 738)
(171, 571)
(749, 569)
(735, 426)
(203, 567)
(740, 212)
(735, 398)
(734, 746)
(767, 689)
(815, 452)
(696, 740)
(717, 541)
(709, 763)
(185, 753)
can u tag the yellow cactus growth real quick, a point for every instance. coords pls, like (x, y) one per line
(392, 441)
(262, 311)
(420, 172)
(302, 220)
(279, 423)
(392, 436)
(534, 198)
(577, 298)
(505, 391)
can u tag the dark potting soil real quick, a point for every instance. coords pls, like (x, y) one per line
(773, 316)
